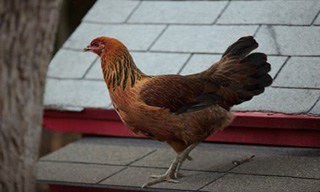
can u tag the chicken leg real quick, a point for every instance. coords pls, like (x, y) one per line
(172, 173)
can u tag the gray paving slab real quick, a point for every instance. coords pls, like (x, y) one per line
(270, 12)
(203, 39)
(300, 72)
(150, 63)
(75, 93)
(135, 37)
(289, 40)
(291, 101)
(253, 183)
(190, 12)
(111, 12)
(294, 166)
(136, 176)
(70, 64)
(103, 151)
(74, 172)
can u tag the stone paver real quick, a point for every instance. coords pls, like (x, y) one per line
(282, 100)
(76, 93)
(300, 72)
(190, 12)
(270, 12)
(74, 172)
(101, 151)
(110, 12)
(289, 40)
(70, 64)
(135, 37)
(203, 39)
(253, 183)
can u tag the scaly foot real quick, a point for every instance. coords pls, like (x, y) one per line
(167, 177)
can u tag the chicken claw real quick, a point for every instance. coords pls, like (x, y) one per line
(167, 177)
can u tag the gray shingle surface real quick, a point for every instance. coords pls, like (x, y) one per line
(110, 12)
(299, 166)
(253, 183)
(300, 72)
(270, 12)
(199, 62)
(64, 62)
(282, 100)
(135, 37)
(100, 151)
(101, 162)
(203, 39)
(80, 93)
(190, 12)
(316, 108)
(317, 21)
(188, 37)
(135, 176)
(74, 172)
(149, 63)
(289, 40)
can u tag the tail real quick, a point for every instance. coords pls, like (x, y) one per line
(239, 74)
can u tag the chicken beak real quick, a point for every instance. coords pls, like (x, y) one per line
(88, 48)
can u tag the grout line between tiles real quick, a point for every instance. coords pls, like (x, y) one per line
(300, 88)
(315, 18)
(185, 63)
(279, 71)
(158, 37)
(270, 175)
(112, 175)
(89, 68)
(315, 103)
(133, 11)
(222, 11)
(257, 30)
(142, 157)
(224, 174)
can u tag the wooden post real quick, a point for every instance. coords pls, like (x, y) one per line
(27, 33)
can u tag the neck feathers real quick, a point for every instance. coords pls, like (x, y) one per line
(119, 70)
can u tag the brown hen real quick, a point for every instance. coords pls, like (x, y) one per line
(181, 110)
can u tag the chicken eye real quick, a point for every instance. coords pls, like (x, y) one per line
(95, 44)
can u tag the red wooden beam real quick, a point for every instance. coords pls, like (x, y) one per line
(248, 127)
(69, 188)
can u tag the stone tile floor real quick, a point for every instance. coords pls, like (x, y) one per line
(126, 164)
(183, 37)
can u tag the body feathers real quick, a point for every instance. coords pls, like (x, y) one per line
(182, 110)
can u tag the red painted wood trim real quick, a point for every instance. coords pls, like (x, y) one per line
(250, 128)
(68, 188)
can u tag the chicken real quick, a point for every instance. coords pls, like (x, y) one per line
(181, 110)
